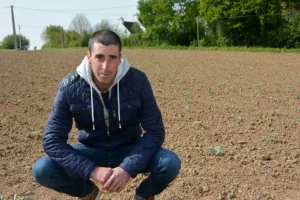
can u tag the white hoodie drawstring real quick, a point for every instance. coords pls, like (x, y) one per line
(92, 102)
(119, 115)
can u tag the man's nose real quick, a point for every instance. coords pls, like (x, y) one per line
(105, 64)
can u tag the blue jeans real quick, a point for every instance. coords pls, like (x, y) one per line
(164, 168)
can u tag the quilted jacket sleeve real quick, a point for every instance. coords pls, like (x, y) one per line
(55, 140)
(152, 140)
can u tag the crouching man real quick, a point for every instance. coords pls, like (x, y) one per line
(120, 128)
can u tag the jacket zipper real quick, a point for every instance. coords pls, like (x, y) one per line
(108, 132)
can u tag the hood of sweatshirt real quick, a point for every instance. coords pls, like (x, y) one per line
(85, 71)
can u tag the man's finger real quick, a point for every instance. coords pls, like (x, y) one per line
(120, 188)
(114, 186)
(108, 183)
(106, 177)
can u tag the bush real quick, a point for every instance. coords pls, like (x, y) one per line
(8, 42)
(294, 32)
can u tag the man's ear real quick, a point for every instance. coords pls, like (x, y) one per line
(89, 56)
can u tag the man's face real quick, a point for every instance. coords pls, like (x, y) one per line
(105, 61)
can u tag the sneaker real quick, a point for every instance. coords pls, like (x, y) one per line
(94, 196)
(148, 198)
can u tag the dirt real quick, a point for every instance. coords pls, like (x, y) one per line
(232, 117)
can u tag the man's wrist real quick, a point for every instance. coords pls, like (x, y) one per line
(124, 168)
(93, 173)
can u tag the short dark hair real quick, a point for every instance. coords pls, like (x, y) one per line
(105, 37)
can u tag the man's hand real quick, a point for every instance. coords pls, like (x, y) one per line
(117, 180)
(101, 174)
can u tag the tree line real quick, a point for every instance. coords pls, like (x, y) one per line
(55, 36)
(260, 23)
(77, 35)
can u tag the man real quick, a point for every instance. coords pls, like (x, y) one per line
(120, 128)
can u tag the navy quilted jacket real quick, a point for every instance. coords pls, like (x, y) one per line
(138, 109)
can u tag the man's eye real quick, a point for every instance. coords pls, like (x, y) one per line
(100, 57)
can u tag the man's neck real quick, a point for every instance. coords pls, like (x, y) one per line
(103, 88)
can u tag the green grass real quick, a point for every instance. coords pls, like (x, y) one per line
(242, 48)
(199, 123)
(238, 118)
(217, 151)
(271, 136)
(38, 108)
(260, 198)
(202, 48)
(36, 133)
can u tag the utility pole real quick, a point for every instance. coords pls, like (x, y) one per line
(20, 37)
(198, 20)
(14, 28)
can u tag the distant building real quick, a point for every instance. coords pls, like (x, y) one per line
(126, 28)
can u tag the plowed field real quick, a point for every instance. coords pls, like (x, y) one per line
(232, 117)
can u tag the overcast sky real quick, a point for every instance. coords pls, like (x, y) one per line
(34, 16)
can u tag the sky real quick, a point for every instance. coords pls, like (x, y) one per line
(33, 16)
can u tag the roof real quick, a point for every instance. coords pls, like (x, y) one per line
(129, 26)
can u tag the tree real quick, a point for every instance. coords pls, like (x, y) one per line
(8, 42)
(53, 36)
(136, 28)
(184, 22)
(291, 5)
(171, 22)
(104, 24)
(85, 38)
(239, 22)
(72, 39)
(157, 16)
(294, 32)
(80, 23)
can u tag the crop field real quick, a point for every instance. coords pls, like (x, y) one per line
(232, 117)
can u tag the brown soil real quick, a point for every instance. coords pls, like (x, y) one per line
(247, 103)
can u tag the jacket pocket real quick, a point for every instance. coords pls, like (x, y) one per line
(82, 115)
(129, 111)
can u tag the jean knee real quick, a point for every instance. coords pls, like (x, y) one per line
(175, 165)
(172, 165)
(39, 170)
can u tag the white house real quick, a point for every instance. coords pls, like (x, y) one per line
(124, 28)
